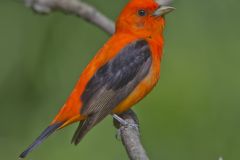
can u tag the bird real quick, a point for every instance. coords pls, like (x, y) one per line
(121, 73)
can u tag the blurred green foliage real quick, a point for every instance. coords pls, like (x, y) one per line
(193, 113)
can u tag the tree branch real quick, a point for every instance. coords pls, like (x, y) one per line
(130, 136)
(75, 7)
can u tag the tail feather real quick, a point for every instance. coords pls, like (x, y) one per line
(85, 126)
(77, 132)
(47, 132)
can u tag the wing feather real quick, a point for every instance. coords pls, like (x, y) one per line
(112, 83)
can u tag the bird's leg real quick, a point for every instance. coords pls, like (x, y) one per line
(124, 122)
(120, 120)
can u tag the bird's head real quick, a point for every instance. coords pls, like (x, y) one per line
(143, 17)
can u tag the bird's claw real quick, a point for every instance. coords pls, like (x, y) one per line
(133, 125)
(125, 123)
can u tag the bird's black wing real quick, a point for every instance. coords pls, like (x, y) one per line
(112, 83)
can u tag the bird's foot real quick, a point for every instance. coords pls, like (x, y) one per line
(124, 122)
(123, 125)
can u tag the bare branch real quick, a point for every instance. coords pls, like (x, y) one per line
(130, 136)
(79, 8)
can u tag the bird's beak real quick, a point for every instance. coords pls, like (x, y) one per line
(163, 10)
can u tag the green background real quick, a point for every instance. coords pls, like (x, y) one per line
(192, 114)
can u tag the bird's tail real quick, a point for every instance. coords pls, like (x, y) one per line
(47, 132)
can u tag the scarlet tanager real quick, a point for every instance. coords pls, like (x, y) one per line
(122, 72)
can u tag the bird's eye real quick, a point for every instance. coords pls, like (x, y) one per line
(142, 13)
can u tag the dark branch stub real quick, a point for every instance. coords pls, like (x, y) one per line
(130, 136)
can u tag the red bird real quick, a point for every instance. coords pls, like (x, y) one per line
(122, 73)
